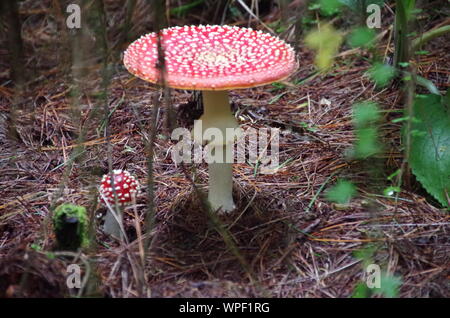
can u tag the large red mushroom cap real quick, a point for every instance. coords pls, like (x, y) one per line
(212, 57)
(125, 184)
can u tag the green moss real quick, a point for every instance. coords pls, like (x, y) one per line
(70, 223)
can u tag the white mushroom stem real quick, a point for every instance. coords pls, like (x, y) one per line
(111, 226)
(217, 114)
(220, 195)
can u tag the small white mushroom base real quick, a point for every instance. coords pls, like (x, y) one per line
(111, 227)
(220, 195)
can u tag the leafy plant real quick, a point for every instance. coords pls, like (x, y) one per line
(361, 291)
(365, 113)
(430, 146)
(326, 42)
(362, 37)
(342, 192)
(329, 7)
(391, 191)
(389, 286)
(366, 253)
(367, 142)
(365, 116)
(381, 74)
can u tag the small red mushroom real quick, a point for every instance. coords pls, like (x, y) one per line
(125, 184)
(126, 187)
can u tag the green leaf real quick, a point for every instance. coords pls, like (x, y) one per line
(430, 152)
(281, 29)
(326, 42)
(391, 191)
(329, 7)
(50, 255)
(365, 113)
(446, 99)
(422, 52)
(422, 81)
(314, 6)
(362, 37)
(308, 126)
(367, 142)
(394, 174)
(361, 291)
(381, 74)
(36, 247)
(389, 286)
(398, 120)
(418, 133)
(342, 192)
(365, 253)
(278, 85)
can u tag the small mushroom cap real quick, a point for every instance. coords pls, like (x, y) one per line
(212, 57)
(125, 184)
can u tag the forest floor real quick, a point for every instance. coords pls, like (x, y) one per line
(296, 243)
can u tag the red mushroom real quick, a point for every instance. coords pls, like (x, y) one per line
(213, 59)
(126, 188)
